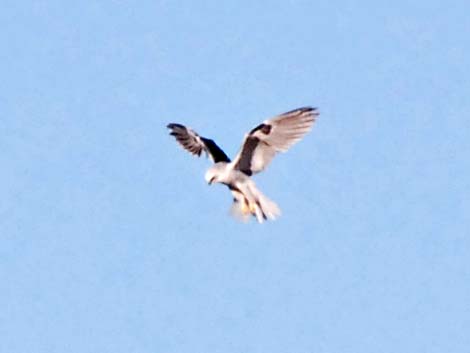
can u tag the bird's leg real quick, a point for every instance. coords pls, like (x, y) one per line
(250, 203)
(245, 206)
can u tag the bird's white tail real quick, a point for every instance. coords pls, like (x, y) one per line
(268, 209)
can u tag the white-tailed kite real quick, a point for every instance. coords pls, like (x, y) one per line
(258, 149)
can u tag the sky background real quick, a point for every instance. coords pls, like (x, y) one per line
(110, 240)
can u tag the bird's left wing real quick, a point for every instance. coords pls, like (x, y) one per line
(275, 135)
(195, 144)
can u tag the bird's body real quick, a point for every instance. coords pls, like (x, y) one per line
(247, 199)
(258, 148)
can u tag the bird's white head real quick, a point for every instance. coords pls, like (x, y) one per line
(211, 175)
(214, 173)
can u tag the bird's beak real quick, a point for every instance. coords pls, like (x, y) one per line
(211, 181)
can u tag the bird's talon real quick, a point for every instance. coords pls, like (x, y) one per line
(245, 208)
(252, 208)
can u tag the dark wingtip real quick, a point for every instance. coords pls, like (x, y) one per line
(174, 125)
(307, 109)
(314, 110)
(310, 110)
(302, 110)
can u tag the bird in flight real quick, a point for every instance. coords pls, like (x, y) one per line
(258, 149)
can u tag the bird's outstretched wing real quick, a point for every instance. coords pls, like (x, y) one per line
(275, 135)
(195, 144)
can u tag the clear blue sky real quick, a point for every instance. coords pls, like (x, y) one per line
(112, 242)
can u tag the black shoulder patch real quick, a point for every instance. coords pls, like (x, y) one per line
(217, 154)
(264, 128)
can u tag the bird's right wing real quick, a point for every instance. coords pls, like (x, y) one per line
(272, 136)
(195, 144)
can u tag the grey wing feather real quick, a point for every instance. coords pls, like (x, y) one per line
(195, 144)
(272, 136)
